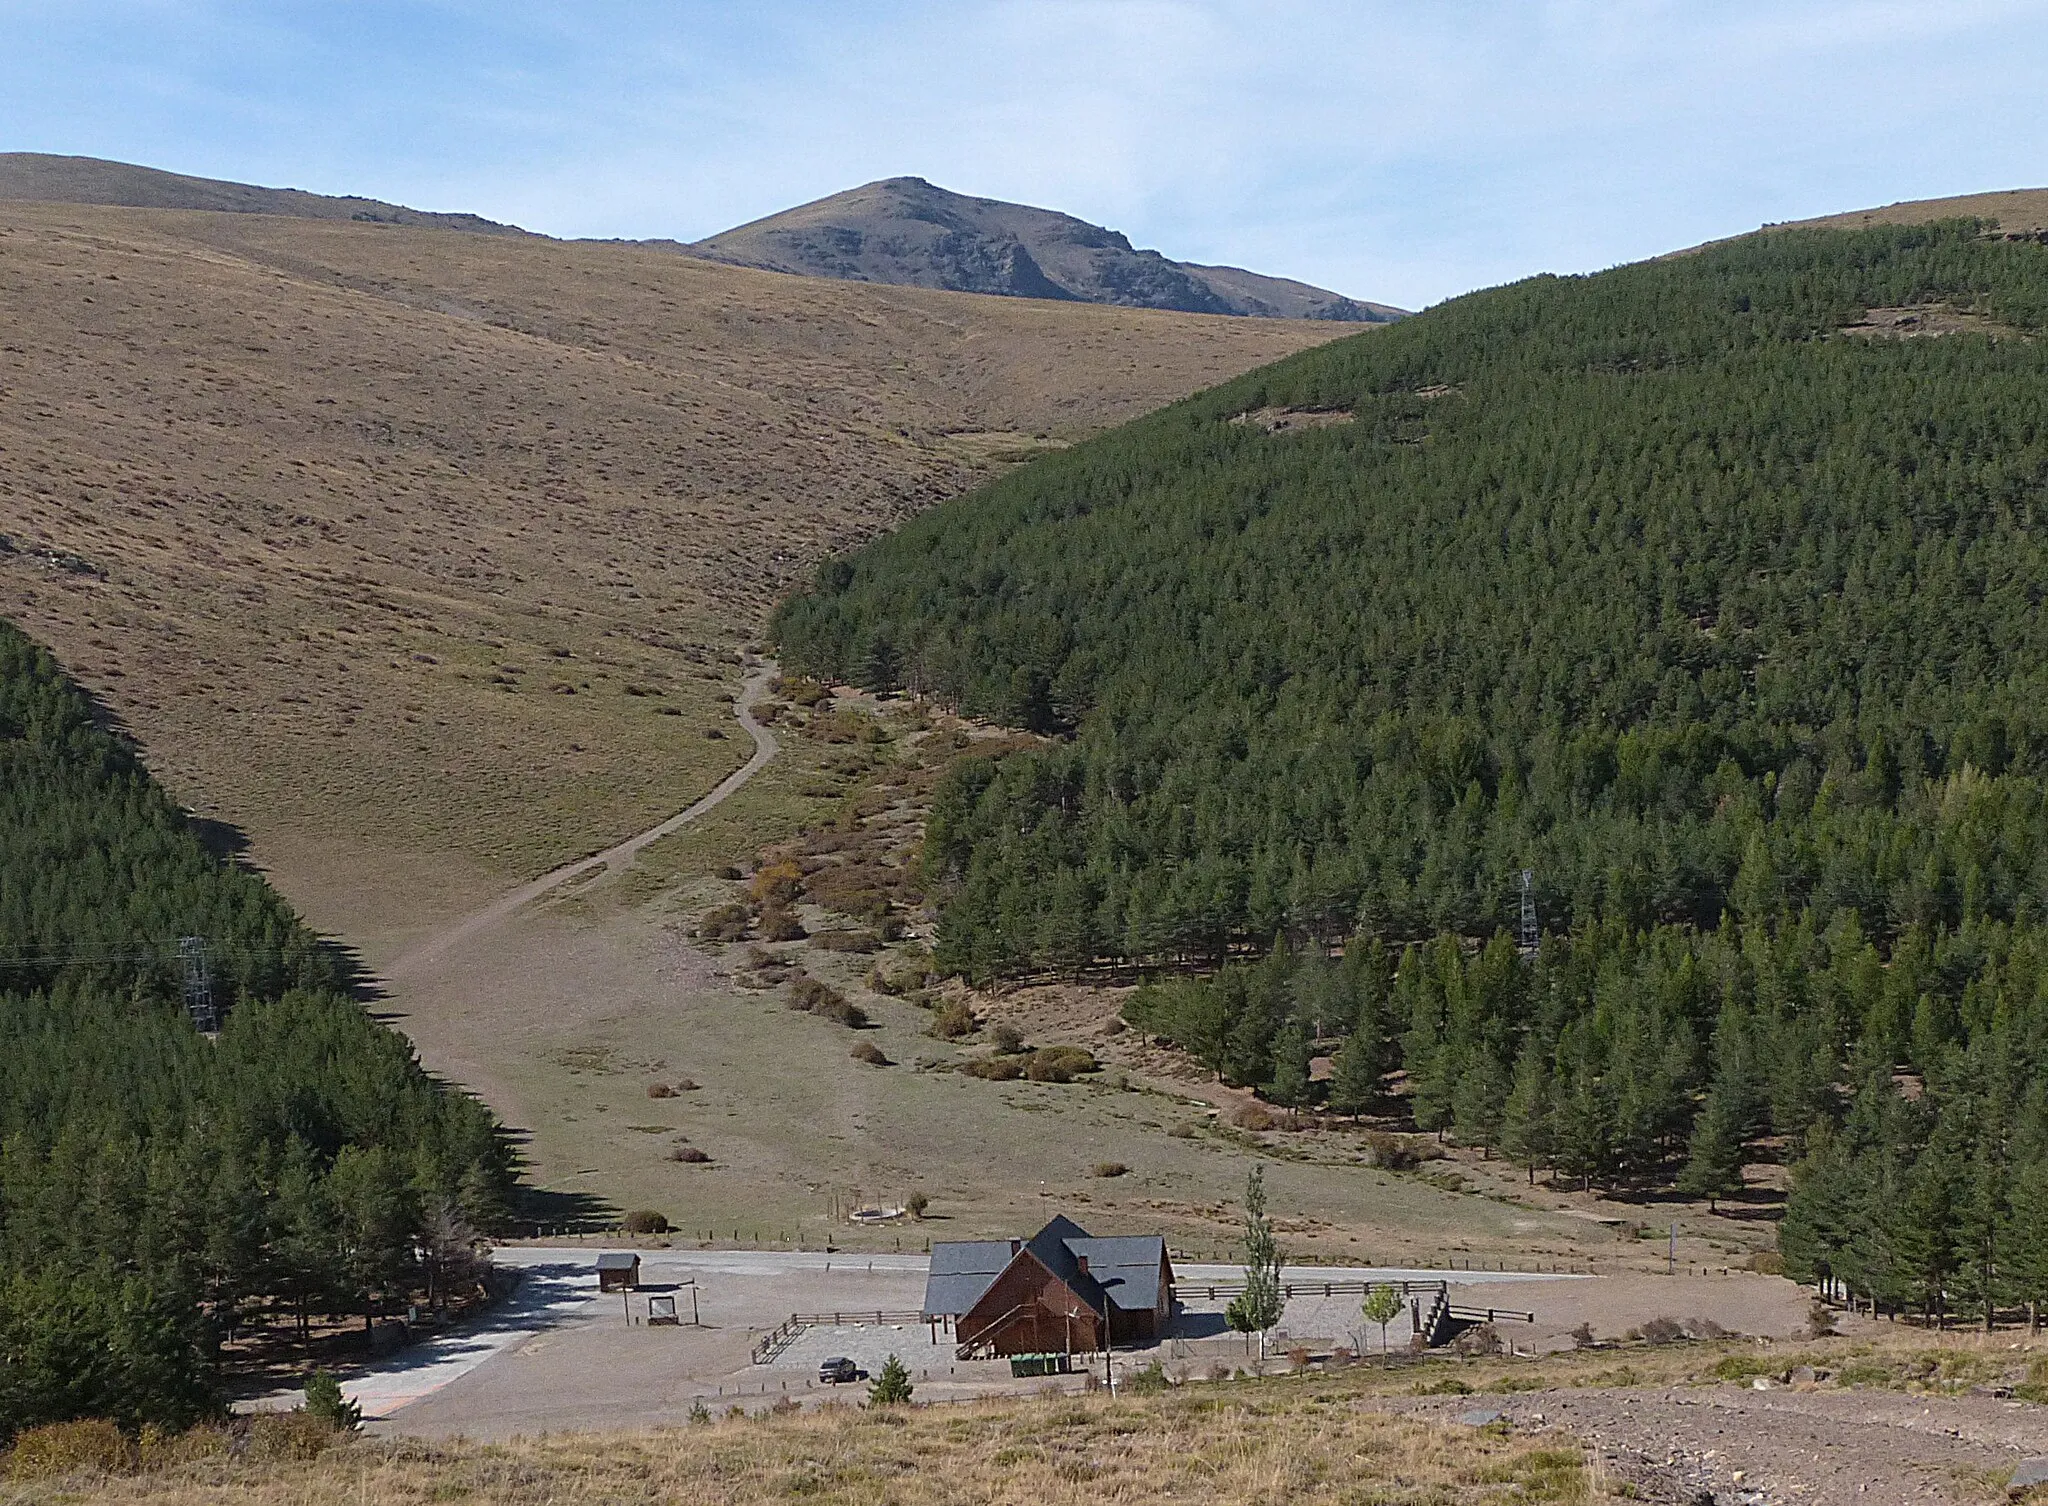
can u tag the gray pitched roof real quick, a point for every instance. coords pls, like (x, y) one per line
(1124, 1268)
(617, 1260)
(1127, 1266)
(961, 1271)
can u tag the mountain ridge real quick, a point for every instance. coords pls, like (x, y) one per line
(908, 231)
(40, 177)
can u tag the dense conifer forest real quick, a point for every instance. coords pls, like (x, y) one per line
(1690, 587)
(159, 1187)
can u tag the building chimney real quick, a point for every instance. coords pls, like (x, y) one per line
(1083, 1259)
(1015, 1246)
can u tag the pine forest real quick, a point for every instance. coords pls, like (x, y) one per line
(161, 1188)
(1706, 590)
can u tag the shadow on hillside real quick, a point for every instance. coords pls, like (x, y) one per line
(223, 839)
(355, 978)
(543, 1211)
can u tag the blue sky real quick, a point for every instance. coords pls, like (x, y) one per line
(1402, 152)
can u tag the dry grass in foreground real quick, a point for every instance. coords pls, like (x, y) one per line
(1298, 1446)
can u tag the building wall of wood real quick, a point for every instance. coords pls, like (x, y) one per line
(1030, 1311)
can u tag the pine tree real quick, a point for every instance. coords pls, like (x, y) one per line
(1923, 1227)
(1355, 1074)
(891, 1387)
(1479, 1102)
(2024, 1237)
(1291, 1086)
(1527, 1132)
(1715, 1157)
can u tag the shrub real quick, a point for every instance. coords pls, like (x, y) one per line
(1114, 1025)
(1480, 1340)
(1147, 1382)
(953, 1020)
(800, 690)
(1007, 1040)
(58, 1448)
(916, 1204)
(326, 1403)
(841, 940)
(1659, 1331)
(1187, 1129)
(689, 1155)
(777, 883)
(1394, 1152)
(915, 974)
(779, 923)
(282, 1437)
(660, 1090)
(157, 1449)
(842, 1012)
(994, 1068)
(644, 1221)
(870, 1053)
(1445, 1387)
(1582, 1337)
(1253, 1116)
(726, 923)
(1059, 1063)
(1110, 1169)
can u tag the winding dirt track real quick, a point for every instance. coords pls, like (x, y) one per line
(765, 749)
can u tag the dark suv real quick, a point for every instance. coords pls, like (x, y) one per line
(838, 1370)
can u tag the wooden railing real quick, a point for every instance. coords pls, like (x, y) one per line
(784, 1334)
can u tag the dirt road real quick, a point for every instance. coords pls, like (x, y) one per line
(1820, 1447)
(765, 748)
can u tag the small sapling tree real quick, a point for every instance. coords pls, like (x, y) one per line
(1258, 1307)
(325, 1401)
(892, 1387)
(1382, 1306)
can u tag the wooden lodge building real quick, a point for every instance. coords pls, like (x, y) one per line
(1059, 1292)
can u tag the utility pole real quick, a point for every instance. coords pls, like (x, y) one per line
(1529, 933)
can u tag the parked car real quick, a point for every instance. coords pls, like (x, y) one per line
(838, 1370)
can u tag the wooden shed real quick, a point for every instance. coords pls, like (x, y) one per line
(618, 1271)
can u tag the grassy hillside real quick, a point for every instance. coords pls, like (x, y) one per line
(1709, 589)
(392, 540)
(156, 1187)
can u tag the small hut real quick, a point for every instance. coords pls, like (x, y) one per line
(618, 1271)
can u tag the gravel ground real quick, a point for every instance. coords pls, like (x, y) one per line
(1819, 1447)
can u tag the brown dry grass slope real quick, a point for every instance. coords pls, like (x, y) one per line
(429, 549)
(1294, 1446)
